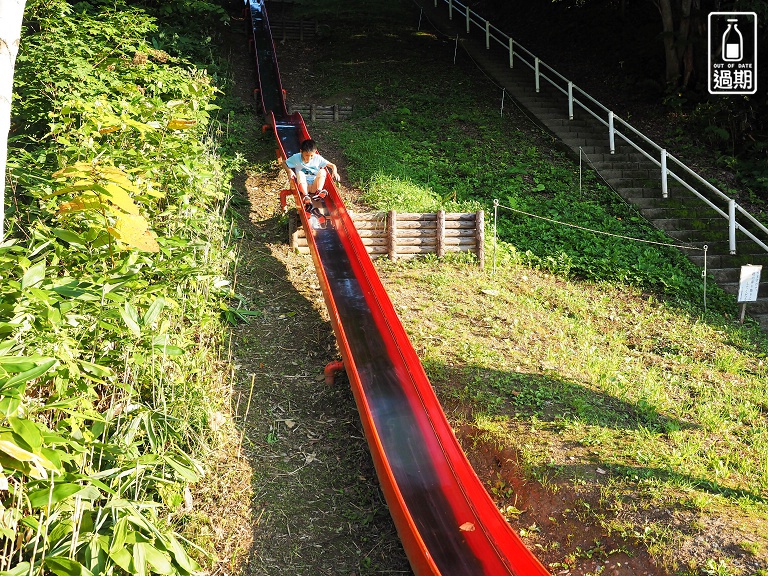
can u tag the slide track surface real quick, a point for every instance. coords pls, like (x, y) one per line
(446, 520)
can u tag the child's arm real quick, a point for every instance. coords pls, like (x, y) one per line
(334, 171)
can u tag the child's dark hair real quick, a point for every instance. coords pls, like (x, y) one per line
(308, 146)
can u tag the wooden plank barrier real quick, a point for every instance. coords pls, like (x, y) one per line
(321, 112)
(407, 235)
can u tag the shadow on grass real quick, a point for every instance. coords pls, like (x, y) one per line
(558, 401)
(549, 398)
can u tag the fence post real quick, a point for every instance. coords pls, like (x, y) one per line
(664, 184)
(440, 248)
(511, 53)
(450, 9)
(392, 234)
(435, 3)
(570, 100)
(536, 69)
(467, 19)
(480, 237)
(487, 34)
(732, 225)
(611, 133)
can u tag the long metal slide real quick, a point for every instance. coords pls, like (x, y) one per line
(446, 520)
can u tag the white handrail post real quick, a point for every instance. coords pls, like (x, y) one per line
(450, 9)
(664, 184)
(536, 68)
(611, 133)
(435, 3)
(570, 100)
(732, 225)
(468, 20)
(487, 33)
(511, 53)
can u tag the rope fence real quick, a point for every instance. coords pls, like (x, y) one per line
(497, 204)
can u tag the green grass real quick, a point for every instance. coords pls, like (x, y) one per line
(577, 376)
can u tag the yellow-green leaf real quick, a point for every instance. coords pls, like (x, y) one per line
(133, 230)
(179, 124)
(81, 203)
(118, 196)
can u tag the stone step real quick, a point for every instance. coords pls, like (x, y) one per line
(664, 210)
(628, 164)
(726, 261)
(744, 248)
(760, 306)
(710, 234)
(688, 224)
(561, 121)
(650, 198)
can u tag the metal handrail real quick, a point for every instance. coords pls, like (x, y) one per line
(516, 50)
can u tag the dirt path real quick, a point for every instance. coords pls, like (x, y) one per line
(316, 505)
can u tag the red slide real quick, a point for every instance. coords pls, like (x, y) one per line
(446, 520)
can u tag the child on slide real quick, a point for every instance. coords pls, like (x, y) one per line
(309, 168)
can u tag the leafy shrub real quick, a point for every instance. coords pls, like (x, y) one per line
(111, 298)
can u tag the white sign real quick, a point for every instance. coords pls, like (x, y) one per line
(749, 283)
(732, 64)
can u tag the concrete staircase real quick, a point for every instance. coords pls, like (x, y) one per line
(682, 216)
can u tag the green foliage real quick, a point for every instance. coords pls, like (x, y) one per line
(423, 146)
(111, 294)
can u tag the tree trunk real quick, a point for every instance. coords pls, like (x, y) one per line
(11, 13)
(670, 49)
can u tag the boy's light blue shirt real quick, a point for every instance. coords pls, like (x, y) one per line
(309, 169)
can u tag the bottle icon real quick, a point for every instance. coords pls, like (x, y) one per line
(733, 42)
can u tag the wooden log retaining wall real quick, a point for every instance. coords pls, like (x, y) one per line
(285, 30)
(406, 235)
(322, 113)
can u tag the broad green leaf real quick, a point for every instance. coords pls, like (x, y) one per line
(153, 311)
(38, 463)
(185, 470)
(81, 186)
(65, 567)
(17, 363)
(28, 431)
(9, 405)
(68, 236)
(61, 492)
(169, 350)
(30, 374)
(118, 535)
(122, 557)
(139, 560)
(180, 555)
(34, 275)
(96, 369)
(131, 317)
(21, 569)
(159, 562)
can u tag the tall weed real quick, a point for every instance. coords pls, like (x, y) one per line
(111, 295)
